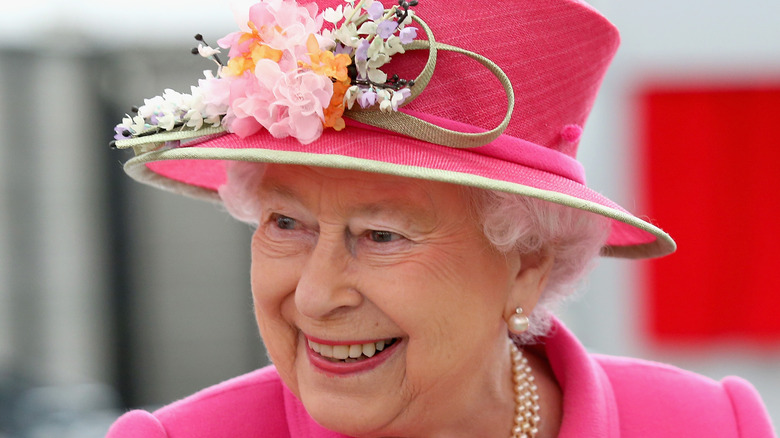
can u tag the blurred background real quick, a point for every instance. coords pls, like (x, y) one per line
(114, 295)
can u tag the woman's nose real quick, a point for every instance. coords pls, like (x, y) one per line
(326, 286)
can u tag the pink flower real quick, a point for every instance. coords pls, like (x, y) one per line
(301, 97)
(284, 103)
(249, 102)
(287, 15)
(212, 95)
(280, 24)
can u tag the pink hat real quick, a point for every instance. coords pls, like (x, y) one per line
(501, 92)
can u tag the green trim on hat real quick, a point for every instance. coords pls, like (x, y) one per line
(137, 169)
(147, 143)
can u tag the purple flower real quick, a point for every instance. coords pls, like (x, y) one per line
(386, 28)
(361, 54)
(376, 10)
(366, 99)
(341, 48)
(408, 34)
(121, 132)
(399, 97)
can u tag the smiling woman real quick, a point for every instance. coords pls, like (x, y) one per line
(435, 291)
(391, 282)
(414, 235)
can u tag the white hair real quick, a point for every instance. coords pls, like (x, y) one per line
(533, 226)
(509, 221)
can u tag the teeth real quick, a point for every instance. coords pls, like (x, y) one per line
(341, 351)
(355, 351)
(350, 353)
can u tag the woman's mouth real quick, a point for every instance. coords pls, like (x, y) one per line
(343, 359)
(350, 352)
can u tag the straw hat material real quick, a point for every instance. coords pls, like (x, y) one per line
(503, 89)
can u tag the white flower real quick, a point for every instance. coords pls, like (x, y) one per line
(194, 119)
(328, 34)
(347, 35)
(386, 106)
(393, 45)
(207, 51)
(377, 46)
(367, 28)
(326, 41)
(150, 106)
(212, 95)
(377, 76)
(167, 121)
(397, 99)
(378, 60)
(138, 125)
(351, 14)
(213, 120)
(351, 95)
(175, 101)
(362, 68)
(334, 15)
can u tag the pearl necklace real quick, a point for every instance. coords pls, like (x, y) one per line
(526, 399)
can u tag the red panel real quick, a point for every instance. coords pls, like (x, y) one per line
(711, 160)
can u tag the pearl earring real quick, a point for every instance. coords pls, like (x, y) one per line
(518, 323)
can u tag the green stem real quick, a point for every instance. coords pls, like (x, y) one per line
(357, 8)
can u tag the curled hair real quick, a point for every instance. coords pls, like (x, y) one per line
(509, 221)
(237, 195)
(529, 225)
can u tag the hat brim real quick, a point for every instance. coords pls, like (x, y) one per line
(198, 168)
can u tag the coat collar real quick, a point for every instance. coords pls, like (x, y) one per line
(589, 407)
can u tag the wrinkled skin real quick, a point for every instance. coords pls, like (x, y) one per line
(342, 255)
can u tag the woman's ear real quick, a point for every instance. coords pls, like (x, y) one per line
(531, 274)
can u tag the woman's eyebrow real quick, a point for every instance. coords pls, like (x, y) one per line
(392, 205)
(421, 216)
(279, 191)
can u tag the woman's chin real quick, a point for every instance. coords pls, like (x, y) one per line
(359, 404)
(348, 419)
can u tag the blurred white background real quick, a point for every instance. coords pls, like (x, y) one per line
(114, 295)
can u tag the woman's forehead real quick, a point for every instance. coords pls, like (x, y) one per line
(370, 192)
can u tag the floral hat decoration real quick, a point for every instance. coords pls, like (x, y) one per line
(351, 84)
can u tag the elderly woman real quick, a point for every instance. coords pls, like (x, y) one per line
(414, 228)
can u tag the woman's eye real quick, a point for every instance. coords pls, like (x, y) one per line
(285, 223)
(383, 236)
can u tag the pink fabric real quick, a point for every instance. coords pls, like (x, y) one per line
(554, 52)
(492, 162)
(603, 397)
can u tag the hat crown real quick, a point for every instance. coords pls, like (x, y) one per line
(555, 53)
(544, 59)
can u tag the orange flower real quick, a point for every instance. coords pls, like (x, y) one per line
(326, 63)
(335, 67)
(255, 51)
(335, 110)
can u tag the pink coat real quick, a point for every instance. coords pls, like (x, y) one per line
(603, 397)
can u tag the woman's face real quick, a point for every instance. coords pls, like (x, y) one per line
(345, 261)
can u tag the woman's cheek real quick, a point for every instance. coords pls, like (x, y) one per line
(272, 293)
